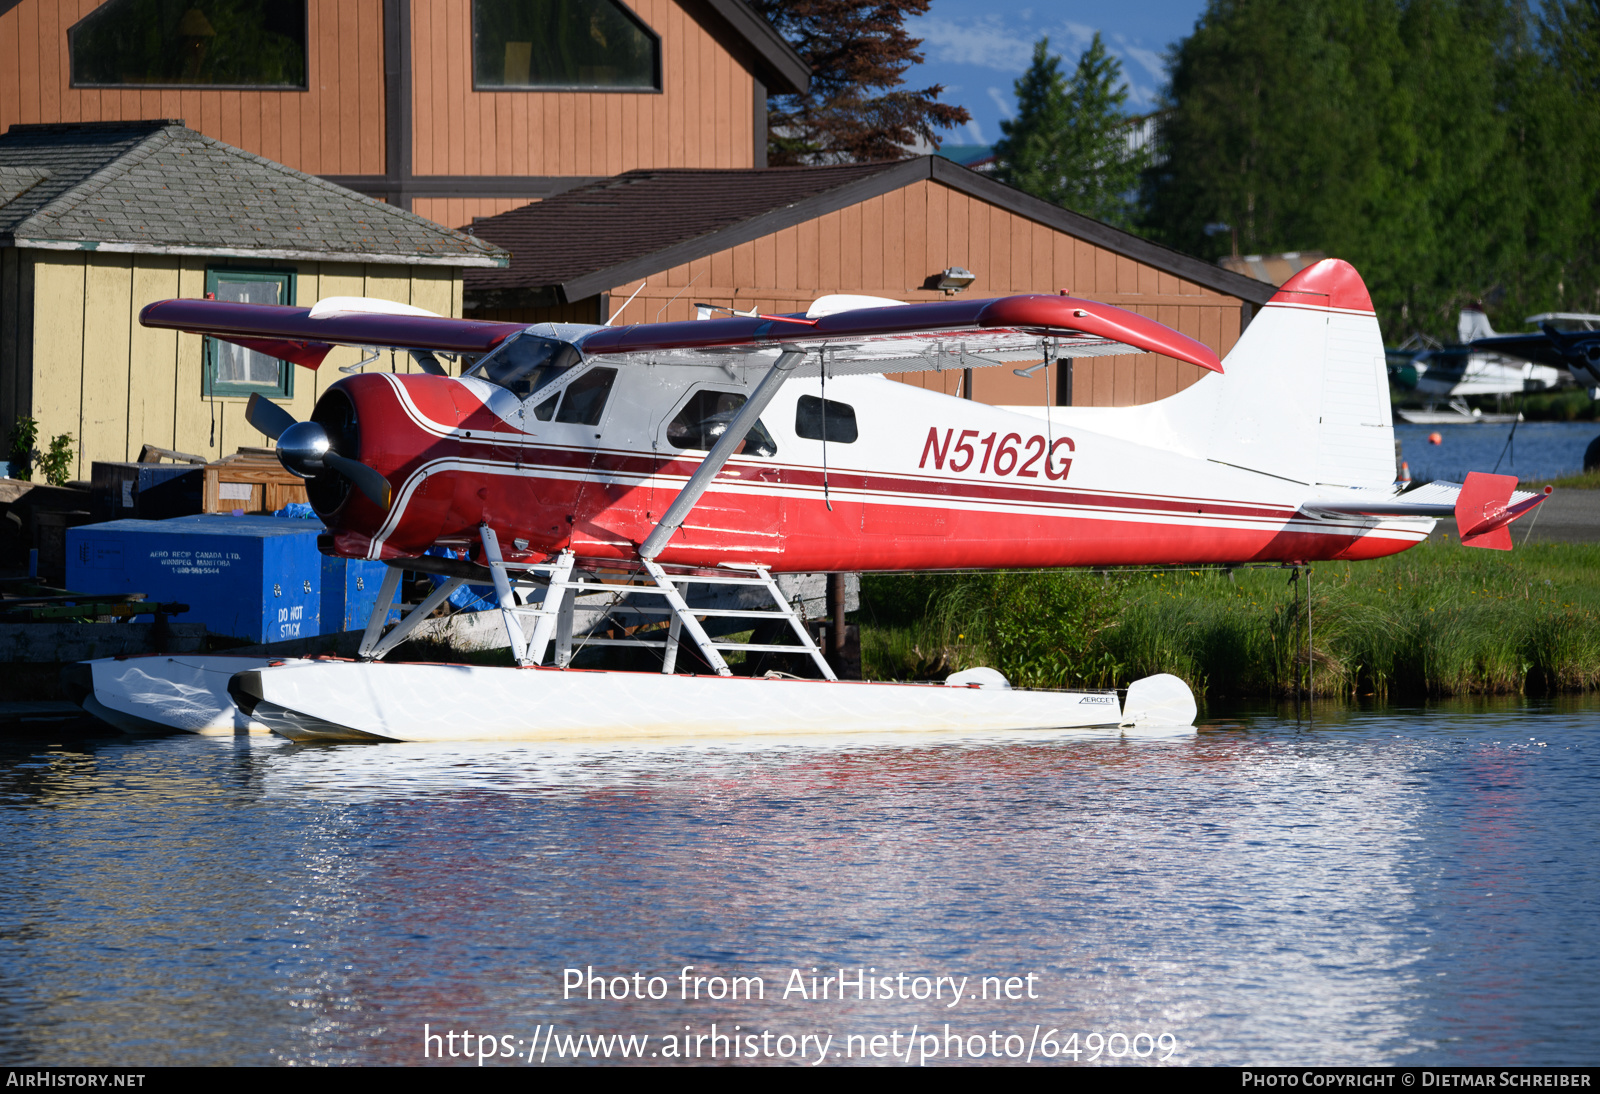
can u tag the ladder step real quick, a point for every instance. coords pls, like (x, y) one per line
(765, 648)
(766, 613)
(682, 579)
(622, 642)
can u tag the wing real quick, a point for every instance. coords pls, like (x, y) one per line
(916, 337)
(304, 336)
(1541, 349)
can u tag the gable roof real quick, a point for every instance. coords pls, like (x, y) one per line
(158, 187)
(615, 230)
(774, 59)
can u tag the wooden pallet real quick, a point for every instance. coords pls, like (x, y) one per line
(253, 480)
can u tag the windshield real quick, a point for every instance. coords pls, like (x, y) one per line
(524, 363)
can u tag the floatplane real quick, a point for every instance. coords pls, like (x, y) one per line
(647, 462)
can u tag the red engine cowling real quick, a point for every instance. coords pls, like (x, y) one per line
(452, 465)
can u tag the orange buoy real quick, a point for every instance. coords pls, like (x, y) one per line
(1434, 438)
(1405, 474)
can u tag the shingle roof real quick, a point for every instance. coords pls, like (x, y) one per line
(606, 233)
(159, 187)
(610, 222)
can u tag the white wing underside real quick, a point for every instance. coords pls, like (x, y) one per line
(890, 353)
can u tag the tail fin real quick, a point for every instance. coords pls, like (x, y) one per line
(1304, 394)
(1472, 324)
(1484, 510)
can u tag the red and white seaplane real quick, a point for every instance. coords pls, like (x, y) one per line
(647, 461)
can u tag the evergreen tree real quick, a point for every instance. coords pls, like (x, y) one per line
(1069, 143)
(1570, 34)
(1441, 146)
(858, 50)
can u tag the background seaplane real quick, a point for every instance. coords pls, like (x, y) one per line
(1470, 367)
(1564, 339)
(647, 461)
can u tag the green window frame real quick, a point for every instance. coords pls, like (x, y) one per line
(234, 370)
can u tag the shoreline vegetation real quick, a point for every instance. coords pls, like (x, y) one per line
(1437, 620)
(1578, 480)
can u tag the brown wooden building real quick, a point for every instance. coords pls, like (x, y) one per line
(776, 239)
(637, 127)
(450, 108)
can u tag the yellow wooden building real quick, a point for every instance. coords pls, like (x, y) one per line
(99, 219)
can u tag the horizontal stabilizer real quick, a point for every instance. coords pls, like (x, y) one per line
(1483, 506)
(1435, 499)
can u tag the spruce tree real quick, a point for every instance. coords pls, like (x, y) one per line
(1446, 148)
(1069, 143)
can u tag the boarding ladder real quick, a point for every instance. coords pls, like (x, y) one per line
(539, 601)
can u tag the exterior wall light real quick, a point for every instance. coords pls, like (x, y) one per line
(955, 279)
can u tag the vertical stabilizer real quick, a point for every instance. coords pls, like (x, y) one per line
(1472, 324)
(1304, 395)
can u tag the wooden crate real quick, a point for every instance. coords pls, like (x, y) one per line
(253, 480)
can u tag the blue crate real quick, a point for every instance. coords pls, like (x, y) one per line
(349, 591)
(257, 578)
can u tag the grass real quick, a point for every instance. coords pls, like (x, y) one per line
(1565, 405)
(1436, 620)
(1582, 480)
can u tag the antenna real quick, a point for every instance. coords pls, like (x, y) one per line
(625, 303)
(677, 294)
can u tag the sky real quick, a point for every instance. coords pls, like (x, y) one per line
(979, 48)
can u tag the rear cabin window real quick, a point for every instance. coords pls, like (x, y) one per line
(825, 420)
(705, 418)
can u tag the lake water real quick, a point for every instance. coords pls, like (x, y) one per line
(1375, 887)
(1540, 450)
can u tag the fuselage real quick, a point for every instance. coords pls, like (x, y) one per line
(1458, 372)
(859, 473)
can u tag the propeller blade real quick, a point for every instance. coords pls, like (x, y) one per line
(267, 416)
(368, 481)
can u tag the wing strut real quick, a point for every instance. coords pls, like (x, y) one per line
(721, 452)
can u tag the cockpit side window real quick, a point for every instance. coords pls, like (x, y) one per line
(585, 398)
(704, 419)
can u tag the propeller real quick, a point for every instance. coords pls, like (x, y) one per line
(304, 449)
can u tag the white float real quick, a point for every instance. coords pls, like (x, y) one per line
(330, 699)
(348, 700)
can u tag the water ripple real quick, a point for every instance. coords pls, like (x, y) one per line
(1388, 886)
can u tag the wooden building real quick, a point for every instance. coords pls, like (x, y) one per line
(450, 108)
(776, 239)
(97, 220)
(639, 130)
